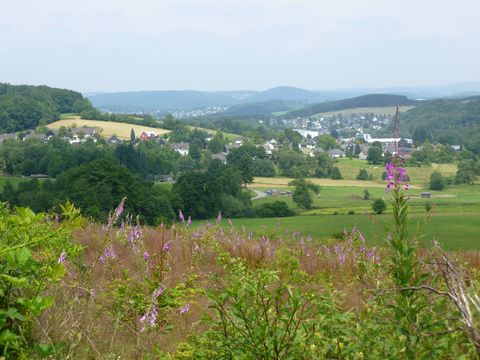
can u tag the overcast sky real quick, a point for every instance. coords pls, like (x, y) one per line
(114, 45)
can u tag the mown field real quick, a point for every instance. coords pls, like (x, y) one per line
(455, 231)
(455, 219)
(383, 110)
(108, 128)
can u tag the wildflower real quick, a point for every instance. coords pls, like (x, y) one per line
(230, 222)
(219, 217)
(196, 248)
(436, 244)
(118, 210)
(396, 176)
(107, 254)
(167, 246)
(153, 315)
(184, 309)
(180, 216)
(158, 292)
(145, 255)
(62, 258)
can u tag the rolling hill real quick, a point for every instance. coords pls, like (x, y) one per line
(371, 100)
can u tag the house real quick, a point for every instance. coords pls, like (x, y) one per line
(182, 148)
(147, 135)
(307, 144)
(208, 138)
(456, 147)
(363, 155)
(5, 137)
(84, 132)
(335, 153)
(33, 135)
(307, 133)
(164, 178)
(219, 157)
(230, 147)
(316, 151)
(113, 140)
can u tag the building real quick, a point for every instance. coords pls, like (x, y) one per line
(220, 157)
(113, 140)
(182, 148)
(335, 153)
(147, 135)
(307, 133)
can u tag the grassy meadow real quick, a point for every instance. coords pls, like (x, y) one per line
(108, 128)
(454, 221)
(382, 110)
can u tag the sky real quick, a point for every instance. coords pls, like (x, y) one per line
(120, 45)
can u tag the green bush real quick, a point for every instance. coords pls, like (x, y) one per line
(336, 174)
(437, 182)
(379, 206)
(362, 175)
(275, 209)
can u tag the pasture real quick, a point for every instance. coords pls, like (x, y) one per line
(107, 128)
(382, 111)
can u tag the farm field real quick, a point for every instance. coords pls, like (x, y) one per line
(108, 128)
(228, 136)
(349, 168)
(454, 231)
(383, 110)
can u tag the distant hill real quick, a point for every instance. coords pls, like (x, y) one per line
(161, 101)
(165, 101)
(449, 121)
(24, 107)
(266, 108)
(371, 100)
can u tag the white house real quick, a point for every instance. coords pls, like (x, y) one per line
(182, 148)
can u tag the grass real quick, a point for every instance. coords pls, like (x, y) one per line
(455, 231)
(349, 168)
(228, 136)
(418, 175)
(13, 179)
(108, 128)
(383, 110)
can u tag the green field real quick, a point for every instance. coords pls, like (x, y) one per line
(383, 110)
(455, 231)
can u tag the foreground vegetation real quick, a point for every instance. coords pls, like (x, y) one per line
(71, 289)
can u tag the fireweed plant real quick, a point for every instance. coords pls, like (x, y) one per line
(404, 263)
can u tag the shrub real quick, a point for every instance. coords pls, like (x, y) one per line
(362, 175)
(336, 174)
(379, 206)
(275, 209)
(437, 182)
(428, 206)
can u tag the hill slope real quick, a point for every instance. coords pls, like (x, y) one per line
(24, 107)
(448, 121)
(371, 100)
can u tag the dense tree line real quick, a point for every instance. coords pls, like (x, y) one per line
(446, 121)
(24, 107)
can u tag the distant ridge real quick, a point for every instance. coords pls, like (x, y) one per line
(370, 100)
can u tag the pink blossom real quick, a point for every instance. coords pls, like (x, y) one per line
(145, 255)
(219, 217)
(180, 216)
(62, 258)
(167, 246)
(184, 309)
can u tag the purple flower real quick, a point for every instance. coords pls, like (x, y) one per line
(219, 217)
(196, 248)
(145, 255)
(158, 292)
(396, 176)
(107, 254)
(184, 309)
(118, 210)
(62, 258)
(167, 246)
(180, 216)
